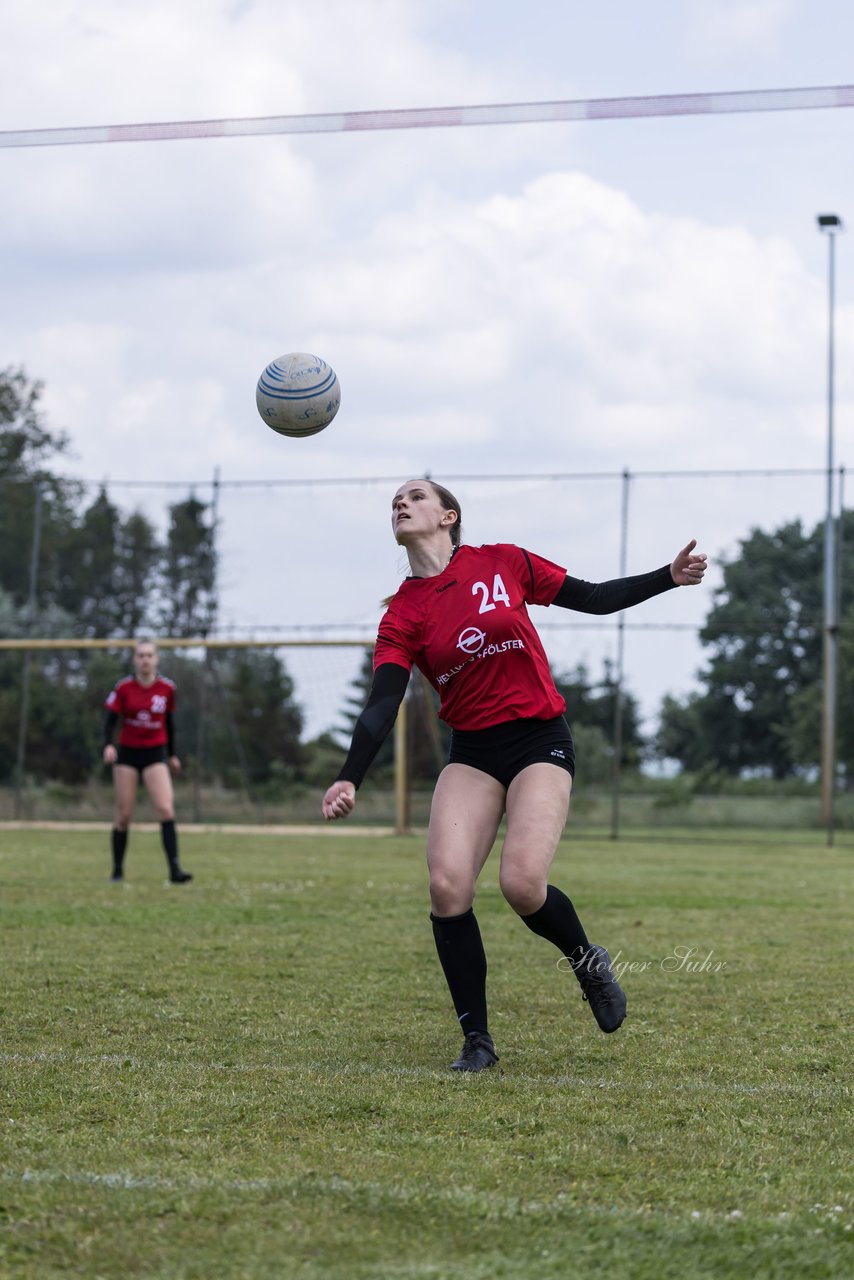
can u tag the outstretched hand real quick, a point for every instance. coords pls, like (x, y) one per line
(687, 569)
(339, 801)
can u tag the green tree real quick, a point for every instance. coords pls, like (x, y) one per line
(188, 570)
(803, 728)
(354, 701)
(253, 698)
(55, 745)
(760, 703)
(101, 572)
(26, 444)
(428, 738)
(592, 704)
(138, 560)
(27, 450)
(55, 748)
(110, 564)
(594, 757)
(322, 760)
(96, 563)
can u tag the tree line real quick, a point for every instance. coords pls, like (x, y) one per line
(103, 572)
(100, 572)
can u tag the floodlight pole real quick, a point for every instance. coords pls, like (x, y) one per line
(829, 224)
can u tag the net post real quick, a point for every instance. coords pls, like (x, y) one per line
(24, 712)
(617, 762)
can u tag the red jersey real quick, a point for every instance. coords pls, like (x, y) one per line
(468, 631)
(143, 709)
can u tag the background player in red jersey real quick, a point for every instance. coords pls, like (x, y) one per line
(145, 703)
(461, 618)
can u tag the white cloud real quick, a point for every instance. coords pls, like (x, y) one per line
(488, 306)
(117, 64)
(562, 303)
(737, 27)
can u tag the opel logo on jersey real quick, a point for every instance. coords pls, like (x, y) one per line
(471, 640)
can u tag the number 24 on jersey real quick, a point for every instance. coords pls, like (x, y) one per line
(499, 594)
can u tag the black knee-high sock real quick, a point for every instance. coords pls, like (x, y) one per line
(557, 921)
(463, 961)
(119, 840)
(169, 840)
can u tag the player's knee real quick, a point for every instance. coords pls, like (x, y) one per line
(524, 889)
(165, 812)
(450, 895)
(122, 820)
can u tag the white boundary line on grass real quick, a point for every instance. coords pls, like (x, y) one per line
(129, 1062)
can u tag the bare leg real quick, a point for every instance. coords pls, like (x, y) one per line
(467, 807)
(125, 780)
(466, 810)
(537, 805)
(158, 783)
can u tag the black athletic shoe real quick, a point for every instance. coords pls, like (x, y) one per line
(477, 1054)
(600, 988)
(117, 877)
(177, 876)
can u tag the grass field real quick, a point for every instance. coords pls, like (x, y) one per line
(247, 1077)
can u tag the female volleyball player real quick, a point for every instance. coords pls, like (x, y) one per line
(145, 703)
(461, 619)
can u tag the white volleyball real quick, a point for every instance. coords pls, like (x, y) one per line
(298, 394)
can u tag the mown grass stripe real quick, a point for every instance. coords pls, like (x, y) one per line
(371, 1070)
(460, 1197)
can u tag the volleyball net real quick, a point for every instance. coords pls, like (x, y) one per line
(269, 690)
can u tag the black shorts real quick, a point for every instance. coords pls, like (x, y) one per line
(140, 758)
(504, 750)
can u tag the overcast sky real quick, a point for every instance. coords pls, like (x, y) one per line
(562, 298)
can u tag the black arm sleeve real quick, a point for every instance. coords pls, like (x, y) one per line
(111, 719)
(610, 597)
(375, 722)
(170, 733)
